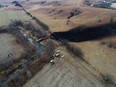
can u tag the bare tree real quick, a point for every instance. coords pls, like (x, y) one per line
(50, 47)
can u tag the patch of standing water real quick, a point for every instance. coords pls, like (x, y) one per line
(113, 5)
(30, 39)
(27, 36)
(38, 45)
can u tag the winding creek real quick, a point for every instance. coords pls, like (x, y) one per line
(31, 40)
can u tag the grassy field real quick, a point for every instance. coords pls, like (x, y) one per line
(100, 57)
(58, 22)
(7, 15)
(67, 70)
(9, 45)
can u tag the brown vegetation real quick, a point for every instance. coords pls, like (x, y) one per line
(73, 49)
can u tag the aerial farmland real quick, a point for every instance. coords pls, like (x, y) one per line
(57, 43)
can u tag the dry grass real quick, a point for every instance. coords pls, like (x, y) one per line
(66, 72)
(100, 57)
(7, 15)
(8, 45)
(58, 22)
(54, 24)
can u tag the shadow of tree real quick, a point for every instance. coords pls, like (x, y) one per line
(82, 33)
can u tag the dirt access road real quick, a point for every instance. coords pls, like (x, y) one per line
(67, 72)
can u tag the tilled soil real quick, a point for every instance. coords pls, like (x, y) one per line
(67, 72)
